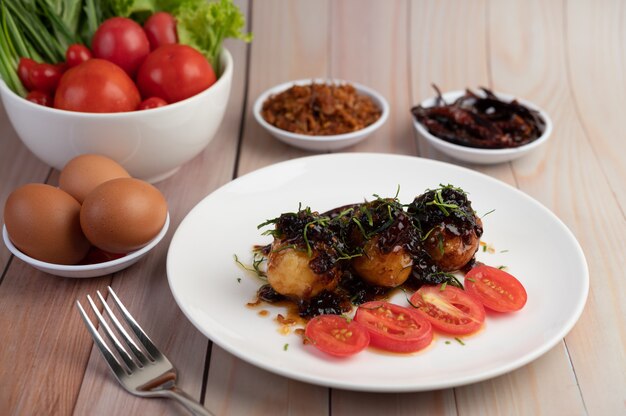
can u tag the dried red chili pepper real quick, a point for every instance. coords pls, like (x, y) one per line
(481, 121)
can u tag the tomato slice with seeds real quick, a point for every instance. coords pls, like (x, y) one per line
(449, 309)
(337, 335)
(495, 288)
(394, 327)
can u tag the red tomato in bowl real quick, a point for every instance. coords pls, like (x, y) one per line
(449, 309)
(96, 86)
(160, 29)
(336, 335)
(152, 102)
(24, 68)
(174, 73)
(394, 327)
(121, 41)
(495, 288)
(45, 77)
(76, 54)
(40, 97)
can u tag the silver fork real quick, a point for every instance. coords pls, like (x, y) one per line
(148, 374)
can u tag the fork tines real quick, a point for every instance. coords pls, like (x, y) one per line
(130, 364)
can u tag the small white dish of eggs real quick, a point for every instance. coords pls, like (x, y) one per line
(98, 220)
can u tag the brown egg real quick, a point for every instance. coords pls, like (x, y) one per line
(123, 215)
(44, 223)
(84, 173)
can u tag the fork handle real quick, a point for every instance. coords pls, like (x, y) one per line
(186, 400)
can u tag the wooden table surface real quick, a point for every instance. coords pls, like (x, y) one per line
(567, 56)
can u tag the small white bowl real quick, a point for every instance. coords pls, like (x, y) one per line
(151, 144)
(321, 143)
(476, 155)
(87, 270)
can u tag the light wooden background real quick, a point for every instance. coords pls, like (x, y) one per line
(567, 56)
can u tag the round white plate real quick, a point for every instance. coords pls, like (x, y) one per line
(212, 290)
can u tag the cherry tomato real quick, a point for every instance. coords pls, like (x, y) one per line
(161, 30)
(393, 327)
(121, 41)
(174, 72)
(449, 309)
(495, 288)
(45, 77)
(77, 54)
(96, 86)
(40, 97)
(152, 102)
(336, 335)
(24, 68)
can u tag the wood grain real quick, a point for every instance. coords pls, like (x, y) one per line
(276, 56)
(18, 166)
(377, 59)
(593, 43)
(566, 56)
(44, 349)
(528, 35)
(295, 46)
(145, 284)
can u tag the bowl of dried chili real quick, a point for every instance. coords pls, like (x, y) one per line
(481, 126)
(320, 114)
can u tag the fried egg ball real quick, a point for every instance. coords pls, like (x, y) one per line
(289, 273)
(451, 250)
(383, 269)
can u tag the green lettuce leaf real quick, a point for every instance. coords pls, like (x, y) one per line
(204, 25)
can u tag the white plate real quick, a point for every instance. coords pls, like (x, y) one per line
(531, 241)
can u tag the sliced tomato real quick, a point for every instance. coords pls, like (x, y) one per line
(449, 309)
(495, 288)
(336, 335)
(393, 327)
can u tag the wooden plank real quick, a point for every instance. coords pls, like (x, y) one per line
(546, 386)
(37, 315)
(597, 82)
(18, 166)
(369, 42)
(290, 42)
(238, 388)
(448, 47)
(597, 66)
(438, 402)
(144, 288)
(466, 62)
(528, 60)
(368, 45)
(44, 346)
